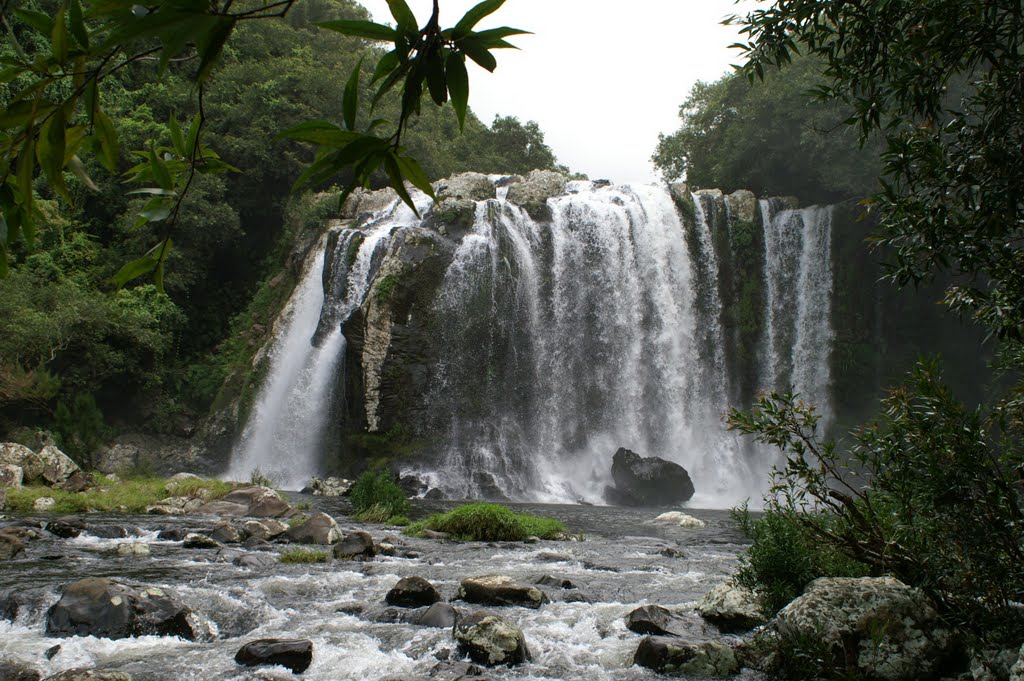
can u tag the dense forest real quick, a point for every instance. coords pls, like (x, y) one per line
(86, 358)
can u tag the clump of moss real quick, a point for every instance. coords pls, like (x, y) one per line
(128, 496)
(489, 522)
(303, 556)
(385, 287)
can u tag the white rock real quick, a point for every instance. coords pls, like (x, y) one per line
(731, 607)
(11, 476)
(57, 466)
(23, 457)
(44, 504)
(132, 549)
(680, 519)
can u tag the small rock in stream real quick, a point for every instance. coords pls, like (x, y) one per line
(491, 640)
(85, 674)
(355, 546)
(10, 545)
(104, 608)
(439, 615)
(51, 652)
(651, 619)
(132, 549)
(65, 528)
(413, 592)
(500, 590)
(295, 654)
(320, 528)
(194, 540)
(677, 657)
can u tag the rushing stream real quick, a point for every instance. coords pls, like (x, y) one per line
(580, 634)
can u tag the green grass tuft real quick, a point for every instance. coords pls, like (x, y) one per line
(376, 497)
(128, 496)
(489, 522)
(303, 556)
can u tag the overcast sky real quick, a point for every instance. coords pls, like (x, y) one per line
(601, 77)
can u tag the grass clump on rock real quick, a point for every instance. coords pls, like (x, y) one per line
(304, 556)
(125, 496)
(489, 522)
(377, 498)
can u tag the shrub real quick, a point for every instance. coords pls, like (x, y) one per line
(376, 497)
(929, 494)
(489, 522)
(303, 556)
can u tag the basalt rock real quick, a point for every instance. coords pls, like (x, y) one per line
(652, 619)
(355, 546)
(57, 466)
(500, 590)
(707, 659)
(17, 670)
(413, 592)
(647, 481)
(491, 640)
(295, 654)
(102, 607)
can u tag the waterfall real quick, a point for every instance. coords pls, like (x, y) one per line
(533, 348)
(798, 281)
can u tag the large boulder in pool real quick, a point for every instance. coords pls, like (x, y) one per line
(102, 607)
(647, 481)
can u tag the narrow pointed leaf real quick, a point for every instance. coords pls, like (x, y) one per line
(210, 47)
(474, 15)
(397, 183)
(388, 63)
(107, 136)
(193, 136)
(59, 37)
(37, 20)
(177, 138)
(350, 99)
(458, 86)
(414, 173)
(78, 168)
(403, 15)
(478, 53)
(435, 79)
(134, 269)
(50, 152)
(78, 29)
(160, 172)
(359, 29)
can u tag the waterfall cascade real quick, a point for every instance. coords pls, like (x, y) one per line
(545, 342)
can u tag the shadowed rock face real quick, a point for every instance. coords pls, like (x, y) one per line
(647, 481)
(107, 609)
(295, 654)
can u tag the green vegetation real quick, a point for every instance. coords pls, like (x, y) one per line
(377, 498)
(128, 496)
(489, 522)
(300, 555)
(385, 287)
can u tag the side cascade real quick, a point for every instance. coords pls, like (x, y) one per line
(505, 351)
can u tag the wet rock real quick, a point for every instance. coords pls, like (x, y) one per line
(679, 519)
(552, 557)
(652, 619)
(434, 534)
(355, 546)
(194, 540)
(132, 549)
(260, 502)
(439, 615)
(52, 651)
(669, 552)
(172, 534)
(109, 609)
(452, 217)
(412, 485)
(881, 627)
(265, 529)
(1017, 670)
(255, 560)
(79, 481)
(491, 640)
(16, 670)
(320, 528)
(24, 458)
(86, 674)
(65, 528)
(10, 545)
(10, 603)
(330, 487)
(257, 544)
(56, 465)
(433, 493)
(647, 481)
(43, 504)
(295, 654)
(220, 507)
(112, 531)
(470, 186)
(557, 582)
(677, 657)
(500, 590)
(11, 476)
(413, 592)
(456, 670)
(177, 506)
(534, 191)
(731, 608)
(226, 533)
(388, 615)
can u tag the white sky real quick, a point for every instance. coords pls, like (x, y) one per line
(601, 77)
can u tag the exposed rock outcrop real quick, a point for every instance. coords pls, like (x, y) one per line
(102, 607)
(647, 481)
(534, 191)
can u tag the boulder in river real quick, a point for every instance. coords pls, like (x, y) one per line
(500, 590)
(677, 657)
(647, 481)
(66, 528)
(329, 487)
(652, 619)
(89, 674)
(413, 592)
(320, 528)
(18, 670)
(355, 546)
(194, 540)
(877, 627)
(226, 533)
(680, 519)
(266, 528)
(10, 545)
(731, 607)
(491, 640)
(439, 615)
(295, 654)
(260, 502)
(104, 608)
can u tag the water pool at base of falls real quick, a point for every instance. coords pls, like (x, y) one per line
(618, 566)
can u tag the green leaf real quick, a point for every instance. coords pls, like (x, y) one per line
(78, 29)
(403, 15)
(4, 269)
(134, 269)
(153, 191)
(78, 168)
(474, 15)
(458, 86)
(478, 53)
(435, 79)
(414, 173)
(210, 45)
(388, 63)
(160, 172)
(156, 209)
(177, 139)
(360, 29)
(350, 98)
(107, 137)
(394, 172)
(21, 112)
(50, 152)
(26, 169)
(165, 250)
(59, 37)
(319, 132)
(37, 20)
(193, 135)
(496, 34)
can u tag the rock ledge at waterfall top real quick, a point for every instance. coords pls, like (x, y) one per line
(647, 481)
